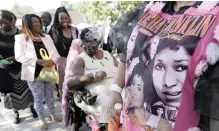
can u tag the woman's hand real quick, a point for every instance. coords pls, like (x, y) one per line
(100, 75)
(115, 97)
(1, 57)
(45, 63)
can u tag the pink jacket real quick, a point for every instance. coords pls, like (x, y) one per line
(74, 51)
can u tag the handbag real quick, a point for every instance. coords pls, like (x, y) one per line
(48, 74)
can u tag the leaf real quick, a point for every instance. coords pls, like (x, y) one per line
(99, 10)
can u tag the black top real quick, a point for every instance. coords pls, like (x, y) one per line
(64, 46)
(62, 43)
(6, 45)
(38, 46)
(206, 96)
(7, 49)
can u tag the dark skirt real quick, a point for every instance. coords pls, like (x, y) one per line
(21, 97)
(207, 96)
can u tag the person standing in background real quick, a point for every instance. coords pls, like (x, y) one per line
(21, 97)
(46, 21)
(62, 34)
(106, 43)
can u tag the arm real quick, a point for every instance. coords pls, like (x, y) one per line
(120, 75)
(115, 61)
(20, 56)
(75, 50)
(78, 77)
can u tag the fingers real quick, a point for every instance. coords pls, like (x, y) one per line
(113, 116)
(48, 64)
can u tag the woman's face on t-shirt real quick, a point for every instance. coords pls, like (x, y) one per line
(159, 111)
(169, 72)
(136, 91)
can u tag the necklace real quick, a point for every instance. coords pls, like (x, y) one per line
(95, 58)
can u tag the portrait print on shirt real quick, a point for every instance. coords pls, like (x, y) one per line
(159, 52)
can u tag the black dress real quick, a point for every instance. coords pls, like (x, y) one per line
(207, 96)
(21, 96)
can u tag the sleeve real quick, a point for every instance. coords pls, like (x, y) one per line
(20, 56)
(74, 51)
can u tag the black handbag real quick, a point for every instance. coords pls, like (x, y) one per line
(6, 82)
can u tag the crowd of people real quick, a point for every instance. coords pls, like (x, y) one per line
(22, 49)
(165, 79)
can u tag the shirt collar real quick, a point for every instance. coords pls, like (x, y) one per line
(48, 28)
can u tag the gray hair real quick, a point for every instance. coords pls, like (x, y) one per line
(91, 34)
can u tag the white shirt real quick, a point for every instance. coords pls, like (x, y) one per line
(99, 88)
(25, 54)
(48, 28)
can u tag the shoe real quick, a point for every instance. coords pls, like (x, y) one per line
(43, 125)
(56, 118)
(16, 118)
(33, 111)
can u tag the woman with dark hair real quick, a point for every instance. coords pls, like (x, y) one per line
(21, 97)
(174, 60)
(27, 52)
(158, 109)
(169, 73)
(139, 112)
(62, 34)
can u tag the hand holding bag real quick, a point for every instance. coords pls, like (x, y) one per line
(48, 74)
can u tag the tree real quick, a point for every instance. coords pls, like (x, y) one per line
(67, 5)
(19, 10)
(99, 10)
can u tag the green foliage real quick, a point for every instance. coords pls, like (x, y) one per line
(99, 10)
(67, 5)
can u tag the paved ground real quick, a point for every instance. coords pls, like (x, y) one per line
(28, 123)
